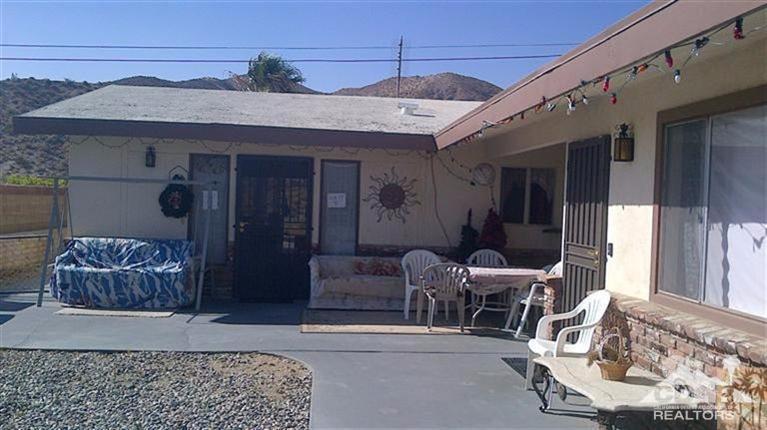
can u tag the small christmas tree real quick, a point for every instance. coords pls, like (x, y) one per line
(493, 235)
(469, 237)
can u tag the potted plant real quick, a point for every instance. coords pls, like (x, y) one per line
(612, 355)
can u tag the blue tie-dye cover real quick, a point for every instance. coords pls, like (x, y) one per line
(124, 273)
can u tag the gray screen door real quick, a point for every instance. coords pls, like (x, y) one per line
(213, 203)
(340, 206)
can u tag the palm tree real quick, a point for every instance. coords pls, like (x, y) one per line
(271, 73)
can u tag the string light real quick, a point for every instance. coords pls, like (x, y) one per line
(699, 44)
(631, 72)
(551, 106)
(737, 31)
(570, 104)
(669, 58)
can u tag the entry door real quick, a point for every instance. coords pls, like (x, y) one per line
(273, 240)
(340, 198)
(585, 232)
(213, 203)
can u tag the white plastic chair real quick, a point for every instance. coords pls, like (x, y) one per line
(593, 307)
(445, 282)
(532, 296)
(413, 264)
(487, 258)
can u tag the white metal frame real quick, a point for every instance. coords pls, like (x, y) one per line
(57, 222)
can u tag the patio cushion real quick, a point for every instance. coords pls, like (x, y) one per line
(124, 273)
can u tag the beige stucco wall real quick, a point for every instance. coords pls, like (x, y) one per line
(132, 210)
(719, 70)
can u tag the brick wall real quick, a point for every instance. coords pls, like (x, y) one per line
(663, 339)
(25, 208)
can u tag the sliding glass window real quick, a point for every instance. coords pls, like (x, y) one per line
(714, 211)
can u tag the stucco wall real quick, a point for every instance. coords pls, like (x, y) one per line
(132, 210)
(718, 71)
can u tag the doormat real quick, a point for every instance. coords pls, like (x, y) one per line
(115, 313)
(383, 322)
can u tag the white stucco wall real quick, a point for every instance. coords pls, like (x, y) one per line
(718, 71)
(132, 210)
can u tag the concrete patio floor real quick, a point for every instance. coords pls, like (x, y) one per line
(360, 381)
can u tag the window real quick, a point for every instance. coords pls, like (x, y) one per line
(527, 195)
(714, 211)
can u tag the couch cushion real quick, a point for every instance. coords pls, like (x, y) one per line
(362, 285)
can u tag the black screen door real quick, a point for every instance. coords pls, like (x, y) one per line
(273, 239)
(585, 232)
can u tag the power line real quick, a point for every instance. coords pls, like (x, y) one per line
(302, 60)
(295, 48)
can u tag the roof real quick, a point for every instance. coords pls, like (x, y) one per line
(645, 32)
(245, 116)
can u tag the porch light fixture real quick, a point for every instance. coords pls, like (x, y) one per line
(623, 144)
(150, 157)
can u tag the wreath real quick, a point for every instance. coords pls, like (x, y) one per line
(176, 200)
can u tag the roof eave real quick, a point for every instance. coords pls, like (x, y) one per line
(643, 33)
(26, 124)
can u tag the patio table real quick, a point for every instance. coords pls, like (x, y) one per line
(486, 281)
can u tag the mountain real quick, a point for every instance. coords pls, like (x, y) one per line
(47, 155)
(234, 83)
(34, 155)
(442, 86)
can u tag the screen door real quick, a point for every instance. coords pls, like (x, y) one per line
(340, 207)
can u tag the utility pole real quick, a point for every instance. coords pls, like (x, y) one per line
(399, 65)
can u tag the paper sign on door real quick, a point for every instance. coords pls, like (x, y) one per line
(336, 200)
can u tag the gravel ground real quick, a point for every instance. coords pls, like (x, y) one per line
(152, 390)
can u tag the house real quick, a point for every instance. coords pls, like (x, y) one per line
(638, 158)
(296, 174)
(671, 214)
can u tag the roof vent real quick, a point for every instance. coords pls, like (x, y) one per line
(406, 108)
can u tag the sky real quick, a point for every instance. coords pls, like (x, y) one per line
(297, 24)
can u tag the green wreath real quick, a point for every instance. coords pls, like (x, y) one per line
(176, 200)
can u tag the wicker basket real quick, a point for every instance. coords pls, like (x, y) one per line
(614, 370)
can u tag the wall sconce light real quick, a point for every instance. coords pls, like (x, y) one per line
(150, 157)
(623, 149)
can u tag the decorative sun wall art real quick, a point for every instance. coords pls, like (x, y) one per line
(391, 196)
